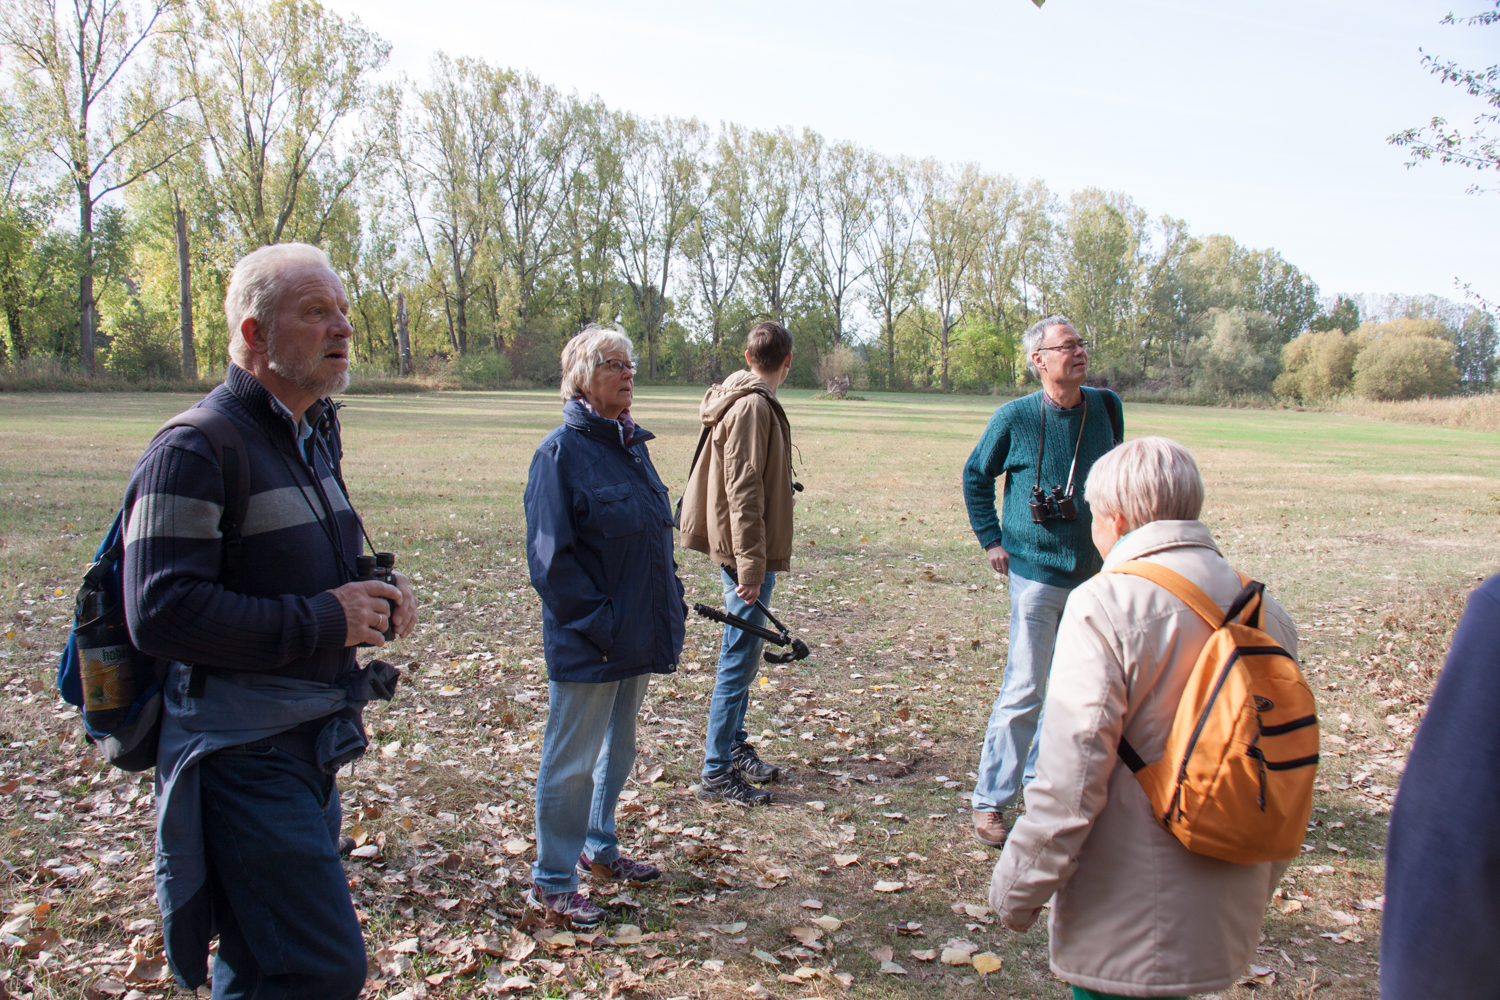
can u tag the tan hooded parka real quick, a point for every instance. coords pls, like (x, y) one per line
(738, 503)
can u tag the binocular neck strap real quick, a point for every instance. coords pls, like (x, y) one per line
(1041, 445)
(1079, 443)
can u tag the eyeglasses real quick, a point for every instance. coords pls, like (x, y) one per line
(618, 367)
(1072, 347)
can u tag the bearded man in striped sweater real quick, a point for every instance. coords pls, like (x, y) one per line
(1044, 444)
(258, 621)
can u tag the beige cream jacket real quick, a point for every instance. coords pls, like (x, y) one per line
(738, 502)
(1134, 912)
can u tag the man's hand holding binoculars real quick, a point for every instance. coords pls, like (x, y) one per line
(373, 607)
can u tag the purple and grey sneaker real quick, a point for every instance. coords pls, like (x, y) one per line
(622, 868)
(577, 909)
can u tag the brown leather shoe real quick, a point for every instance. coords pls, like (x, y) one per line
(989, 828)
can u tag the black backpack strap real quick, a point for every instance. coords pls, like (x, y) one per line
(234, 464)
(1116, 410)
(702, 440)
(1131, 759)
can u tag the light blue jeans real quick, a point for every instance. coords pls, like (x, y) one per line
(1008, 760)
(588, 750)
(739, 662)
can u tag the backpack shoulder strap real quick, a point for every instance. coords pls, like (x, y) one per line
(229, 448)
(1178, 585)
(1116, 410)
(702, 440)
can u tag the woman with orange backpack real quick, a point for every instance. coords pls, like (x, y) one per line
(1176, 719)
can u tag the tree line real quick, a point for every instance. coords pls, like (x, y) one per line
(480, 216)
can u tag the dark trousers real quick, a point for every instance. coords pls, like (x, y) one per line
(281, 906)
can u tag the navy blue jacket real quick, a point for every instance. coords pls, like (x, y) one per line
(599, 544)
(1440, 932)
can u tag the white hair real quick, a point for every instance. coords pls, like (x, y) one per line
(256, 285)
(1147, 479)
(1032, 338)
(586, 350)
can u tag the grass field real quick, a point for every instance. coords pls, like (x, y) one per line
(1370, 532)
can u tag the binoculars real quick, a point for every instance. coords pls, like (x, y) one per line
(380, 566)
(1057, 506)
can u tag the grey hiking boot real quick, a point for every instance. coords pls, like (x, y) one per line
(622, 868)
(731, 787)
(749, 764)
(578, 910)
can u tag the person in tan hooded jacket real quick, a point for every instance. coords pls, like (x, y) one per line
(1134, 912)
(738, 510)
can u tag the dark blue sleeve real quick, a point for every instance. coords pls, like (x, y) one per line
(985, 465)
(1440, 932)
(568, 591)
(174, 604)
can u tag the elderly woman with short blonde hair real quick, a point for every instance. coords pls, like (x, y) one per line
(599, 546)
(1134, 912)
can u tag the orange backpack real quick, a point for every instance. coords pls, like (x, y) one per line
(1235, 780)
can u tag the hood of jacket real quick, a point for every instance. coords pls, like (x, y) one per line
(719, 398)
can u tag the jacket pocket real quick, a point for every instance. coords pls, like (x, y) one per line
(613, 512)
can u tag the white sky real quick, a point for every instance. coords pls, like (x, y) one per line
(1266, 122)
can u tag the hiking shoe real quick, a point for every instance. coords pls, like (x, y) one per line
(749, 764)
(622, 869)
(577, 910)
(731, 787)
(989, 827)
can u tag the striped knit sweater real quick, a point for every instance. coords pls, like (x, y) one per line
(1057, 552)
(273, 612)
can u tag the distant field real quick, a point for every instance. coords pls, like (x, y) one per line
(1369, 531)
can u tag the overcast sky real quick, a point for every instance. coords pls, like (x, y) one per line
(1266, 122)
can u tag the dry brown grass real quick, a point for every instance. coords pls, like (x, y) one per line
(1475, 413)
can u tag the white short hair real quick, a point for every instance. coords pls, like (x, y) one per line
(1147, 479)
(256, 285)
(586, 350)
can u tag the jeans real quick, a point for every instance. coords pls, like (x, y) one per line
(739, 661)
(1010, 743)
(588, 750)
(280, 899)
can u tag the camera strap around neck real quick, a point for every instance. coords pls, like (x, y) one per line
(1041, 445)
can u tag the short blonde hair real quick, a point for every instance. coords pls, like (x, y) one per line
(1147, 479)
(586, 350)
(256, 285)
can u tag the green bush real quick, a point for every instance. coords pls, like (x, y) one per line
(1225, 362)
(1405, 367)
(483, 369)
(1317, 365)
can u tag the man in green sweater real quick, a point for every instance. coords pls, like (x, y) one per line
(1044, 445)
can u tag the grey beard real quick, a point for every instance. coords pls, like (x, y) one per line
(300, 372)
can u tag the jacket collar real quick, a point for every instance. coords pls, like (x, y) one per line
(584, 420)
(1158, 536)
(257, 399)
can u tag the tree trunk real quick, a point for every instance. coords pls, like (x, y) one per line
(402, 333)
(86, 280)
(185, 295)
(944, 345)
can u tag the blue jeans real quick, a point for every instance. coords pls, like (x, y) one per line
(587, 753)
(1010, 743)
(739, 661)
(281, 906)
